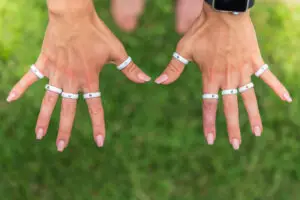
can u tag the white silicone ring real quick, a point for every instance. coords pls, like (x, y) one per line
(261, 70)
(69, 95)
(37, 72)
(180, 58)
(53, 89)
(92, 95)
(229, 92)
(124, 64)
(246, 87)
(210, 96)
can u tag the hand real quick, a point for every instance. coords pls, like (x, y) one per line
(76, 46)
(226, 49)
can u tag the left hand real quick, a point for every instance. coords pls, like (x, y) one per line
(226, 49)
(76, 46)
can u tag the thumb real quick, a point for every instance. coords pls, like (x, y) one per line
(174, 69)
(132, 71)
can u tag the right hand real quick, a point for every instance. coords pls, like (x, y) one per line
(226, 49)
(76, 46)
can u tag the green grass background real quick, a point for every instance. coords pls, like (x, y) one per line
(155, 149)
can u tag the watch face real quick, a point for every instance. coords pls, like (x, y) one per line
(231, 5)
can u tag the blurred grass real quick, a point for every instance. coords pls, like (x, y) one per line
(155, 147)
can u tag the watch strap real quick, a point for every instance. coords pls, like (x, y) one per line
(251, 3)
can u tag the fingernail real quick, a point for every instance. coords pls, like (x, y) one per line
(257, 131)
(287, 97)
(99, 140)
(60, 146)
(11, 96)
(210, 139)
(161, 79)
(236, 144)
(39, 134)
(144, 77)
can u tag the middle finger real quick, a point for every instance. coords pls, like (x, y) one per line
(232, 118)
(67, 116)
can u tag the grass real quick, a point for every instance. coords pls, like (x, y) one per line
(155, 149)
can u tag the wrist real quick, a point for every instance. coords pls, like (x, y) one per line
(209, 11)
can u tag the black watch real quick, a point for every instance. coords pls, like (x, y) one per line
(234, 6)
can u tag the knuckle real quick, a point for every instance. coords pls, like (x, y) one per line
(67, 109)
(45, 113)
(131, 68)
(209, 112)
(51, 98)
(183, 44)
(95, 110)
(98, 128)
(64, 133)
(229, 105)
(256, 119)
(173, 68)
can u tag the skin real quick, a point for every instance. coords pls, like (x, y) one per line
(126, 13)
(216, 42)
(76, 46)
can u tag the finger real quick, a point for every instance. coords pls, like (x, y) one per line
(47, 108)
(97, 117)
(19, 89)
(27, 80)
(251, 106)
(67, 116)
(96, 114)
(209, 109)
(174, 69)
(232, 118)
(131, 71)
(46, 111)
(270, 79)
(135, 74)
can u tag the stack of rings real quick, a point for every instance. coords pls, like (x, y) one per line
(66, 95)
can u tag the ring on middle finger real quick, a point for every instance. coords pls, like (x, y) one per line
(53, 89)
(69, 95)
(246, 87)
(229, 92)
